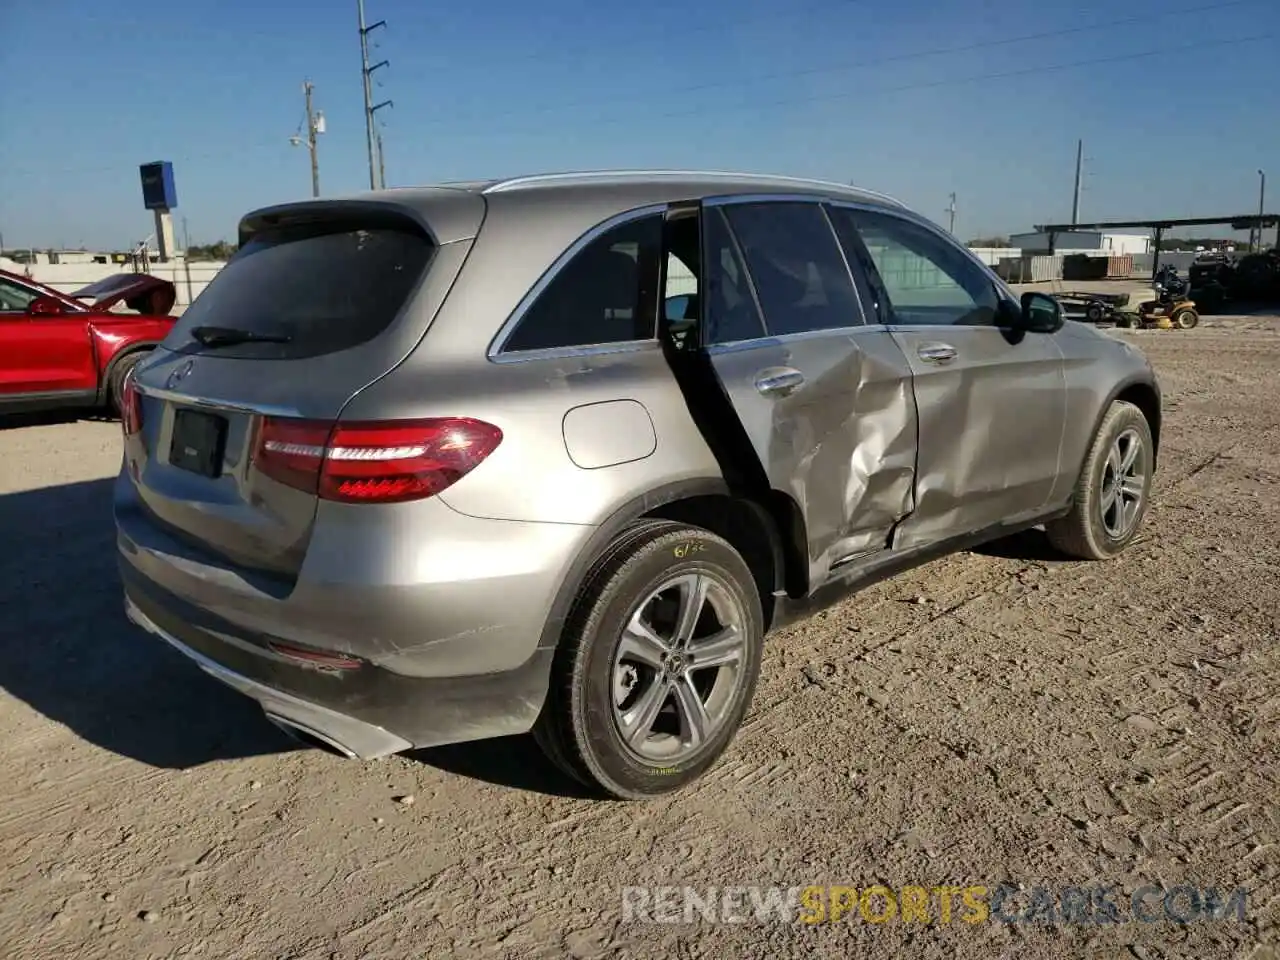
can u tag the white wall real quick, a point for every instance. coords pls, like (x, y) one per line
(1119, 244)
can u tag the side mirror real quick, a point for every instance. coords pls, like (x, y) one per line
(44, 307)
(1041, 313)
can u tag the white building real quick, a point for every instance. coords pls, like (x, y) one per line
(1084, 241)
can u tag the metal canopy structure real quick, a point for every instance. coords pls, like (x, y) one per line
(1246, 222)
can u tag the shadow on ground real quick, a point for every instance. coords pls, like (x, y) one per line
(1030, 545)
(515, 762)
(46, 418)
(67, 650)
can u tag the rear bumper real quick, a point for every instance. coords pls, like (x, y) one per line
(366, 712)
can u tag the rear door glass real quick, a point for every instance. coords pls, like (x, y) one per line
(325, 289)
(799, 272)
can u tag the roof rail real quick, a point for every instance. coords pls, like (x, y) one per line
(516, 183)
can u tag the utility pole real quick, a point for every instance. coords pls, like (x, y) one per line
(951, 212)
(370, 108)
(315, 126)
(382, 165)
(1075, 200)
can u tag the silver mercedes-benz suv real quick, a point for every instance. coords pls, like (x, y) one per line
(556, 453)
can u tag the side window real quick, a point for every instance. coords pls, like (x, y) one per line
(731, 309)
(799, 272)
(14, 297)
(606, 294)
(928, 279)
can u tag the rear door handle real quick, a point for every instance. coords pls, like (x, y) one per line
(779, 381)
(936, 352)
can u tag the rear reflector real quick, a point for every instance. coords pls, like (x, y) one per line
(130, 406)
(375, 462)
(332, 661)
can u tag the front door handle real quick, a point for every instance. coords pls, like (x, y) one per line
(936, 352)
(779, 381)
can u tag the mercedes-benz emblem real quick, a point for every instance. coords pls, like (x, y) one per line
(180, 374)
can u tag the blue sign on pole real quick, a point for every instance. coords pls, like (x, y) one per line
(158, 191)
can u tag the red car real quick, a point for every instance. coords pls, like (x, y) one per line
(74, 350)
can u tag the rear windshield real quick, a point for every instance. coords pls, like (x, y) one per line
(312, 290)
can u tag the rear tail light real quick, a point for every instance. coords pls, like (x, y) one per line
(373, 462)
(130, 406)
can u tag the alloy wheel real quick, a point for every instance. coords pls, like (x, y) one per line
(1123, 485)
(678, 667)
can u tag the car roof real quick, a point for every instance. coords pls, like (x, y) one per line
(676, 184)
(454, 210)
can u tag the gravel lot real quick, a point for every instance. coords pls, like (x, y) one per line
(997, 717)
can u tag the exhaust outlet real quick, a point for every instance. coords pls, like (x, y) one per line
(312, 738)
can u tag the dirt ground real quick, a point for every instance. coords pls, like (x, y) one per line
(998, 717)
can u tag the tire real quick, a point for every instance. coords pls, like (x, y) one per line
(115, 379)
(1090, 532)
(1185, 318)
(596, 687)
(1095, 312)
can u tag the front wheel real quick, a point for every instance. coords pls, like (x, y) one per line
(657, 665)
(1113, 490)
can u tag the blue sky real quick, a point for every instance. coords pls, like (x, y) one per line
(916, 98)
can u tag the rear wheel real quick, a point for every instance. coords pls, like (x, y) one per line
(1184, 318)
(115, 382)
(658, 663)
(1113, 490)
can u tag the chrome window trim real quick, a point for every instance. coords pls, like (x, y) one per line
(496, 354)
(910, 216)
(781, 340)
(569, 353)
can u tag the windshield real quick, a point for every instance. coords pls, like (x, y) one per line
(307, 291)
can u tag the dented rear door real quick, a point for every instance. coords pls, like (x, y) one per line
(823, 398)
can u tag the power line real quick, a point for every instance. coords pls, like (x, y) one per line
(649, 94)
(863, 92)
(683, 33)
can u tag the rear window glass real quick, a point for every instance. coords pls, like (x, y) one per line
(319, 290)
